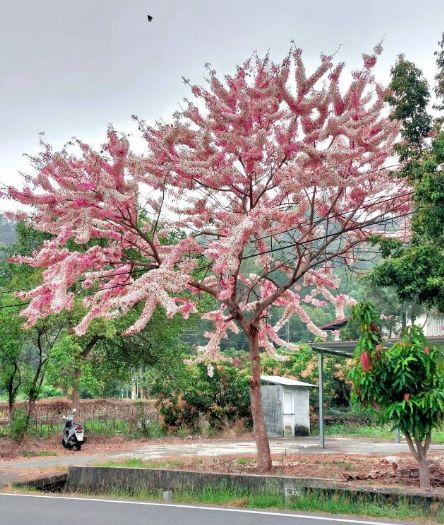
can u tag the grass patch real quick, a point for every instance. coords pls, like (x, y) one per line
(38, 453)
(361, 506)
(345, 465)
(141, 463)
(107, 428)
(374, 432)
(243, 461)
(309, 501)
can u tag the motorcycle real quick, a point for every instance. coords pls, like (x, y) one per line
(73, 433)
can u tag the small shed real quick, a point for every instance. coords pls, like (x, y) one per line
(286, 406)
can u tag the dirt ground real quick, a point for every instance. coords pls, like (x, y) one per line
(351, 469)
(355, 470)
(35, 447)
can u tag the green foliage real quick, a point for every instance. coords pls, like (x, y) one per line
(153, 430)
(221, 398)
(439, 78)
(18, 425)
(409, 98)
(50, 391)
(11, 346)
(99, 364)
(416, 271)
(405, 382)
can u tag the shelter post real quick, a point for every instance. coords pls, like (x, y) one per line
(321, 399)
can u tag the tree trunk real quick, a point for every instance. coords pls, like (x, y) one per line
(424, 474)
(75, 396)
(260, 432)
(420, 454)
(10, 408)
(403, 316)
(12, 393)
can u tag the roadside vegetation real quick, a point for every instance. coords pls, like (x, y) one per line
(309, 501)
(263, 276)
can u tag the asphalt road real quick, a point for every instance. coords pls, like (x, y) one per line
(48, 510)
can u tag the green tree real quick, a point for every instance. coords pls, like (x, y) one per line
(439, 77)
(416, 270)
(409, 99)
(11, 350)
(404, 383)
(52, 353)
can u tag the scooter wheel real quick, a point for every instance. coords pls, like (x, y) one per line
(78, 446)
(64, 444)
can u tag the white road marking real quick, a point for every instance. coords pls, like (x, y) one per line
(197, 507)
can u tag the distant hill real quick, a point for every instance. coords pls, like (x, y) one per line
(7, 231)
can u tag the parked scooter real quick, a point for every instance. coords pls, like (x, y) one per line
(73, 433)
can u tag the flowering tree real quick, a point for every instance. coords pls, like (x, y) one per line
(270, 176)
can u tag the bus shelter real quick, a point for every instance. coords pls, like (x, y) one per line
(344, 349)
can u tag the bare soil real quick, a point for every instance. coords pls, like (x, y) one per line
(97, 444)
(35, 447)
(352, 470)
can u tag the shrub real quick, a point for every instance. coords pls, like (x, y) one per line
(18, 425)
(221, 397)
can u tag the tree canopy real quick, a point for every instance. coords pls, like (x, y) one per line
(271, 174)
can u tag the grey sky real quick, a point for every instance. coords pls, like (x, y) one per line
(70, 67)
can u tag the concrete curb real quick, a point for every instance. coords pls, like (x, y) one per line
(47, 484)
(106, 479)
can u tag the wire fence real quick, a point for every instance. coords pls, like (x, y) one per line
(102, 416)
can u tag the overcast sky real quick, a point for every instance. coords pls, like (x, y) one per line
(70, 67)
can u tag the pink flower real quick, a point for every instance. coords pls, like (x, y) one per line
(87, 186)
(240, 197)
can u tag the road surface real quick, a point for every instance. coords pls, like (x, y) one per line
(18, 509)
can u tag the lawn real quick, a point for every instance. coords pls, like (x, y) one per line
(373, 432)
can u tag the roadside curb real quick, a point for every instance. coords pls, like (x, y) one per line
(107, 479)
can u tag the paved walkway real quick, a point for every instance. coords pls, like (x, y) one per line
(13, 471)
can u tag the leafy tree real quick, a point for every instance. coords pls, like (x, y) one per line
(404, 383)
(409, 97)
(40, 342)
(439, 78)
(25, 354)
(270, 179)
(120, 359)
(416, 270)
(95, 363)
(11, 350)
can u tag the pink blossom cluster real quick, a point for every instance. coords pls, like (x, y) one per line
(270, 175)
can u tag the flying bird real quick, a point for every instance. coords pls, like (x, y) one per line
(150, 18)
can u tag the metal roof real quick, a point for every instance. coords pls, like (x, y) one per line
(278, 380)
(346, 348)
(335, 325)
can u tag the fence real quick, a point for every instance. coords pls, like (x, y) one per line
(97, 414)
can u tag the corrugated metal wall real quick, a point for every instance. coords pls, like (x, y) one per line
(432, 325)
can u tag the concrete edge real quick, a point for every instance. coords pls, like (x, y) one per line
(54, 483)
(103, 479)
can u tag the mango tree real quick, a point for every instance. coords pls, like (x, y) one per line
(403, 382)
